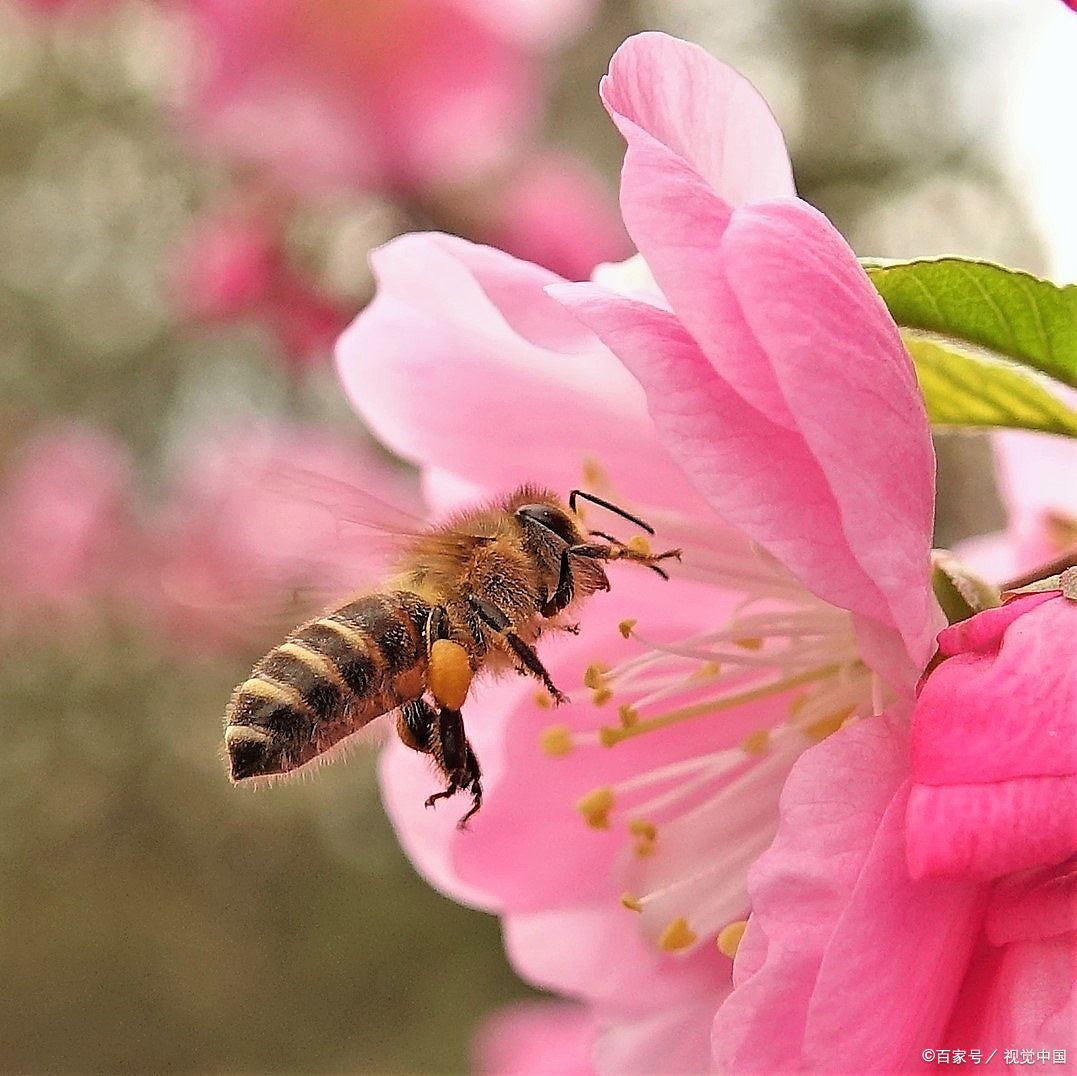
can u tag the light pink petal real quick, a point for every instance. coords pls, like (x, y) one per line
(529, 844)
(595, 952)
(536, 1038)
(461, 362)
(672, 1042)
(759, 476)
(847, 957)
(840, 364)
(702, 111)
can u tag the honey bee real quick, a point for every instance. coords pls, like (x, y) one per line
(472, 594)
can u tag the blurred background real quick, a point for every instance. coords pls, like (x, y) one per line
(188, 192)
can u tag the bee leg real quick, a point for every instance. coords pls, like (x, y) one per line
(565, 585)
(456, 760)
(415, 723)
(492, 617)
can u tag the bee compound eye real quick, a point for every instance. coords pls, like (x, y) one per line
(551, 519)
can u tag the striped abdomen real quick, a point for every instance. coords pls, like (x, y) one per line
(326, 680)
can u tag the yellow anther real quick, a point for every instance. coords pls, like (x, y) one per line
(756, 743)
(730, 936)
(638, 544)
(593, 474)
(601, 696)
(751, 642)
(707, 671)
(628, 715)
(640, 827)
(609, 736)
(542, 700)
(626, 626)
(797, 705)
(556, 740)
(594, 676)
(596, 806)
(821, 729)
(631, 903)
(677, 935)
(643, 847)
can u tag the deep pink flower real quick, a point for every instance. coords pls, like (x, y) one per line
(233, 264)
(900, 911)
(400, 94)
(555, 213)
(746, 390)
(537, 1038)
(68, 536)
(994, 744)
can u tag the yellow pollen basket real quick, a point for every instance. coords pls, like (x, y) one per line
(556, 741)
(638, 544)
(596, 806)
(448, 674)
(677, 935)
(730, 936)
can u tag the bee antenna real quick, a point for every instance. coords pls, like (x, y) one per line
(611, 507)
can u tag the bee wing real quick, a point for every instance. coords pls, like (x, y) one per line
(297, 543)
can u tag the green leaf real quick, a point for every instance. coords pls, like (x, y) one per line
(963, 389)
(1009, 312)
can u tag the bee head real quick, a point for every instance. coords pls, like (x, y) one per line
(549, 518)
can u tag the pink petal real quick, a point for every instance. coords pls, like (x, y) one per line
(461, 356)
(758, 475)
(673, 1042)
(703, 111)
(536, 1038)
(847, 957)
(841, 366)
(595, 952)
(1005, 705)
(1034, 904)
(985, 831)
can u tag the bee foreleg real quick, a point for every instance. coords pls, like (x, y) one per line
(565, 583)
(492, 617)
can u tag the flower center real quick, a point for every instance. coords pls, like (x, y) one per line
(730, 708)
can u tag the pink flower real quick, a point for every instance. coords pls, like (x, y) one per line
(554, 212)
(994, 744)
(400, 94)
(753, 400)
(1035, 473)
(900, 912)
(538, 1038)
(255, 518)
(233, 265)
(68, 528)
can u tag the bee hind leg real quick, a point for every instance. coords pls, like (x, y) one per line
(455, 758)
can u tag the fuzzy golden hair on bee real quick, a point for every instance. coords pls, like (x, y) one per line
(470, 596)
